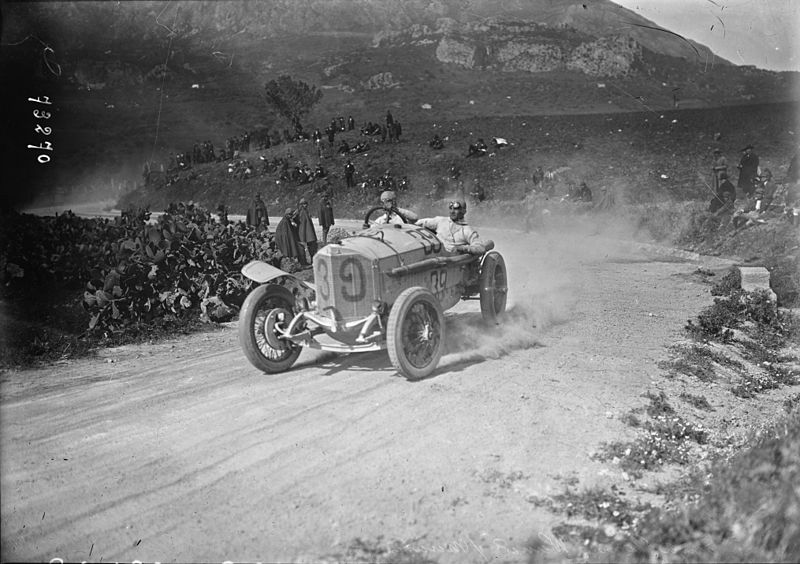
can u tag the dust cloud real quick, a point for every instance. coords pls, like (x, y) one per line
(547, 267)
(103, 186)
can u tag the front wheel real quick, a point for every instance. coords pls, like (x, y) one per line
(493, 287)
(415, 333)
(268, 309)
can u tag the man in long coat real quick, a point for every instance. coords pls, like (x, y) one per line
(718, 168)
(325, 218)
(257, 214)
(286, 238)
(748, 170)
(305, 228)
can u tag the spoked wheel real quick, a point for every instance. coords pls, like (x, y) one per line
(268, 308)
(493, 287)
(415, 333)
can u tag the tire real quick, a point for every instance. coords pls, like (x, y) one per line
(415, 333)
(265, 301)
(493, 288)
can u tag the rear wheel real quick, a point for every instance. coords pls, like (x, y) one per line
(267, 309)
(415, 333)
(493, 287)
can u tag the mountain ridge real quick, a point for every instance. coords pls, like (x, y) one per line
(74, 22)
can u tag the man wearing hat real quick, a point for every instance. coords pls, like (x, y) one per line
(305, 228)
(349, 171)
(286, 238)
(257, 214)
(725, 194)
(453, 231)
(325, 217)
(765, 191)
(748, 170)
(390, 215)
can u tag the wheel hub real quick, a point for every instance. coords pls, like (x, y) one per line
(274, 324)
(427, 332)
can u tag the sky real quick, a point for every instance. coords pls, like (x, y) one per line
(764, 33)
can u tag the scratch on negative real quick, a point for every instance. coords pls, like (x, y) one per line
(689, 43)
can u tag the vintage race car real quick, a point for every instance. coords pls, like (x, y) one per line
(384, 288)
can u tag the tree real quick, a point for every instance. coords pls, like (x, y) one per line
(291, 99)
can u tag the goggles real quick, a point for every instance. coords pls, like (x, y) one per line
(455, 205)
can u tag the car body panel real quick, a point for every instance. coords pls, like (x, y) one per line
(352, 276)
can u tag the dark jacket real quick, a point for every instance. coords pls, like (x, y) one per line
(748, 169)
(305, 227)
(286, 239)
(257, 213)
(325, 215)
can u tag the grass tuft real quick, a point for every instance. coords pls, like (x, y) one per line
(700, 402)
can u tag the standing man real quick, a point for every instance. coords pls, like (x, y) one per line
(305, 229)
(748, 170)
(286, 238)
(349, 171)
(257, 215)
(325, 217)
(719, 167)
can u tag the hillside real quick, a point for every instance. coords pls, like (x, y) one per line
(643, 157)
(135, 81)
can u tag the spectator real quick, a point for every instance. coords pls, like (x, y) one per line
(478, 149)
(725, 192)
(748, 170)
(765, 191)
(349, 171)
(719, 167)
(305, 229)
(584, 193)
(325, 217)
(286, 238)
(538, 178)
(257, 216)
(222, 212)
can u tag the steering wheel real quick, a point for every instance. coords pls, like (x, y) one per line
(376, 208)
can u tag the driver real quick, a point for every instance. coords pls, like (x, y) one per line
(390, 215)
(454, 232)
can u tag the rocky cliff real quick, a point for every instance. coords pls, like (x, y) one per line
(522, 46)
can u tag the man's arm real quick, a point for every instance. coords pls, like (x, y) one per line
(410, 216)
(428, 223)
(474, 244)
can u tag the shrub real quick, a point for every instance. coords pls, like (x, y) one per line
(731, 282)
(132, 270)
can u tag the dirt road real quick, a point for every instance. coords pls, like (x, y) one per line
(182, 451)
